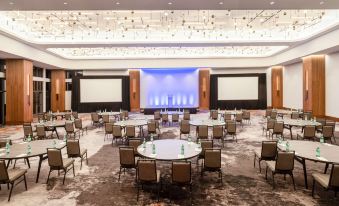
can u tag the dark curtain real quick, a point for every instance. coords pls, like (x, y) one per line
(92, 107)
(261, 103)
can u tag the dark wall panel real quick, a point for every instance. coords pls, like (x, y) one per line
(92, 107)
(261, 103)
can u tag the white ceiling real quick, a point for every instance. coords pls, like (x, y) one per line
(164, 4)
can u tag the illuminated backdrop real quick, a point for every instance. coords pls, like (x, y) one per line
(169, 88)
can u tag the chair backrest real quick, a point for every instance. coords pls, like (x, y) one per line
(309, 131)
(165, 117)
(330, 123)
(187, 116)
(135, 143)
(273, 114)
(212, 158)
(203, 131)
(127, 156)
(278, 127)
(117, 131)
(295, 115)
(68, 116)
(54, 157)
(130, 131)
(270, 123)
(308, 115)
(147, 170)
(75, 115)
(28, 130)
(284, 161)
(206, 144)
(218, 131)
(214, 114)
(40, 131)
(322, 121)
(246, 115)
(69, 127)
(151, 127)
(105, 118)
(334, 178)
(48, 117)
(109, 128)
(157, 115)
(78, 123)
(95, 117)
(238, 117)
(185, 126)
(175, 117)
(181, 172)
(268, 112)
(328, 131)
(41, 117)
(73, 147)
(125, 114)
(3, 142)
(269, 150)
(231, 127)
(227, 117)
(3, 172)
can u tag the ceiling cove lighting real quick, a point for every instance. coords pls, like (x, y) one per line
(172, 26)
(166, 52)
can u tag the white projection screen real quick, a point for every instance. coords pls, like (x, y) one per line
(100, 90)
(238, 88)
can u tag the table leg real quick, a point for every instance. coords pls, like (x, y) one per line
(303, 162)
(291, 132)
(39, 167)
(326, 167)
(56, 132)
(29, 165)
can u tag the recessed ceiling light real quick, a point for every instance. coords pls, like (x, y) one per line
(11, 3)
(272, 2)
(117, 3)
(321, 3)
(65, 3)
(221, 3)
(166, 14)
(169, 3)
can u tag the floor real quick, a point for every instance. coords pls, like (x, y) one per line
(97, 183)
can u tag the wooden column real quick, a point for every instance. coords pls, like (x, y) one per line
(134, 81)
(58, 87)
(19, 91)
(314, 84)
(277, 86)
(204, 89)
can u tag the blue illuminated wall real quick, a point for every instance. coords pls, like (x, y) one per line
(169, 88)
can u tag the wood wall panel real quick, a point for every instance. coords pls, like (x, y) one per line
(314, 84)
(204, 89)
(277, 87)
(134, 76)
(58, 100)
(19, 91)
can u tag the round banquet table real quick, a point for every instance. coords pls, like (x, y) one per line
(209, 122)
(172, 112)
(289, 123)
(38, 149)
(169, 149)
(140, 123)
(231, 112)
(60, 114)
(306, 150)
(109, 113)
(52, 125)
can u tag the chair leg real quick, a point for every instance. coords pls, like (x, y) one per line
(25, 182)
(119, 174)
(260, 165)
(48, 176)
(255, 157)
(138, 192)
(86, 159)
(158, 187)
(273, 180)
(10, 193)
(65, 171)
(313, 188)
(293, 180)
(81, 163)
(266, 173)
(73, 170)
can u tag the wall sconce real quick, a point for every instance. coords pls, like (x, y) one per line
(134, 87)
(278, 85)
(306, 84)
(28, 89)
(204, 87)
(57, 89)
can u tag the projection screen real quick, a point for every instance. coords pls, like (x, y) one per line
(238, 88)
(100, 90)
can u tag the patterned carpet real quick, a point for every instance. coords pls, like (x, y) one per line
(97, 183)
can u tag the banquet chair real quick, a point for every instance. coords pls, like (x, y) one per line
(56, 162)
(105, 118)
(28, 131)
(284, 164)
(269, 125)
(202, 132)
(328, 133)
(95, 119)
(157, 115)
(322, 122)
(268, 152)
(246, 115)
(135, 143)
(184, 127)
(75, 115)
(227, 117)
(70, 130)
(182, 175)
(205, 144)
(41, 132)
(117, 133)
(327, 181)
(239, 118)
(74, 150)
(78, 125)
(175, 118)
(164, 119)
(295, 115)
(127, 159)
(218, 133)
(130, 131)
(274, 114)
(108, 130)
(278, 129)
(309, 133)
(231, 129)
(214, 114)
(147, 173)
(212, 162)
(68, 116)
(10, 176)
(187, 116)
